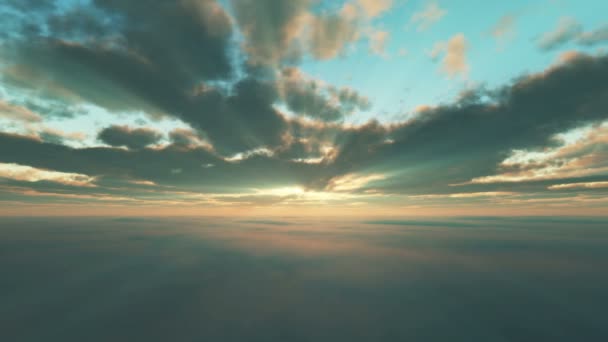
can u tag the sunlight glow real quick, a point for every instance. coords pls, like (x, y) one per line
(351, 181)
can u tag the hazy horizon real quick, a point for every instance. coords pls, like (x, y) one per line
(126, 279)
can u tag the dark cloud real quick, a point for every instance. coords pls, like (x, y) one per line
(51, 137)
(157, 59)
(271, 28)
(158, 165)
(191, 37)
(244, 120)
(309, 97)
(178, 59)
(83, 23)
(300, 149)
(455, 143)
(447, 145)
(133, 138)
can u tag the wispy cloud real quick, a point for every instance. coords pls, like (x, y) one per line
(504, 29)
(584, 185)
(428, 16)
(374, 8)
(464, 195)
(596, 36)
(351, 182)
(18, 113)
(31, 174)
(377, 42)
(569, 30)
(566, 30)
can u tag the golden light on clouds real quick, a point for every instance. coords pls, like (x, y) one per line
(31, 174)
(352, 182)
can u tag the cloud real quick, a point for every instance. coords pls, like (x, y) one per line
(470, 139)
(153, 61)
(584, 185)
(271, 28)
(18, 113)
(504, 29)
(454, 61)
(583, 157)
(466, 140)
(179, 60)
(30, 174)
(596, 36)
(569, 30)
(566, 30)
(377, 42)
(374, 8)
(350, 182)
(281, 32)
(57, 136)
(188, 138)
(464, 195)
(313, 98)
(332, 33)
(244, 120)
(428, 16)
(113, 166)
(137, 65)
(133, 138)
(568, 56)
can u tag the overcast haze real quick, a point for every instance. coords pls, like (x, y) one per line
(462, 279)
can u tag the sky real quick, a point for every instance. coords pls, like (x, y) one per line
(303, 107)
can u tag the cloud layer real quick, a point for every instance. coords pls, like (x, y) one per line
(251, 121)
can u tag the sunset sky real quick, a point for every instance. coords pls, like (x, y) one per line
(303, 107)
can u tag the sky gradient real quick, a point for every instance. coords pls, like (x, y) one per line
(303, 107)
